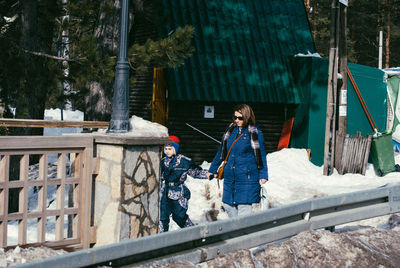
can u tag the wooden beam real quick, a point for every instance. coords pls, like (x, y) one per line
(8, 122)
(342, 97)
(342, 123)
(330, 125)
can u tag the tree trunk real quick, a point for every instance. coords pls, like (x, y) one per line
(31, 99)
(388, 29)
(106, 31)
(28, 41)
(107, 28)
(98, 103)
(314, 19)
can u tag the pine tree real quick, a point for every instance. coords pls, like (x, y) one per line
(98, 38)
(27, 75)
(31, 69)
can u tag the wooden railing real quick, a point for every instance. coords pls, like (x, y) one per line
(69, 210)
(8, 122)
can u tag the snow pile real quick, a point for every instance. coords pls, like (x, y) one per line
(292, 178)
(139, 126)
(55, 114)
(143, 128)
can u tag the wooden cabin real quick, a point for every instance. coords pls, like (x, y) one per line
(241, 56)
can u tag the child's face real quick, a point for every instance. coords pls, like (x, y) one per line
(169, 150)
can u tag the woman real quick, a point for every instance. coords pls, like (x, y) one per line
(246, 166)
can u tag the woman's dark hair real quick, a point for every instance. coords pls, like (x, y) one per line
(248, 114)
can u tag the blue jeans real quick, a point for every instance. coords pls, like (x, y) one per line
(237, 210)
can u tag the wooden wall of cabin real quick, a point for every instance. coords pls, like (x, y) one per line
(269, 117)
(141, 93)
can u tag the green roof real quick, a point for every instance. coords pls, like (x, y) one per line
(242, 49)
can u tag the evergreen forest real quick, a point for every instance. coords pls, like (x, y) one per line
(365, 19)
(63, 53)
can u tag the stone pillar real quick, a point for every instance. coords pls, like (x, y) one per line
(126, 199)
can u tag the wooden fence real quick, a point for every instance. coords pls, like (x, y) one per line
(71, 183)
(352, 153)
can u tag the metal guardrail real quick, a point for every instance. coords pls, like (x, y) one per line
(206, 241)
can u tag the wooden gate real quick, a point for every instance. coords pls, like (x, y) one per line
(55, 204)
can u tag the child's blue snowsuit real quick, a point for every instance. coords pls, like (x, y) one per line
(174, 193)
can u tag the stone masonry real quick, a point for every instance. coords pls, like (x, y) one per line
(126, 200)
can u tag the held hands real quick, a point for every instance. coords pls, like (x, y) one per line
(210, 176)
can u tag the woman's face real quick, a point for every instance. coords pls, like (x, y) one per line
(238, 118)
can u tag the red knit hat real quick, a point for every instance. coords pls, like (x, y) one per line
(175, 143)
(175, 139)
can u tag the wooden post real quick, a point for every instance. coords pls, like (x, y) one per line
(330, 126)
(342, 97)
(342, 124)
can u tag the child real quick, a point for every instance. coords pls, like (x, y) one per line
(174, 193)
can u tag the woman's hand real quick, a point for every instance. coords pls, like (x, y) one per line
(210, 176)
(262, 181)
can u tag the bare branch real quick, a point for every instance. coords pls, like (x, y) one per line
(53, 57)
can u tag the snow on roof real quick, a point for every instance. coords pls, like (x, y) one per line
(309, 54)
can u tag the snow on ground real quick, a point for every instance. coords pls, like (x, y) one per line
(292, 178)
(55, 114)
(12, 237)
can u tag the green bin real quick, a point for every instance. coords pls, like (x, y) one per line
(382, 154)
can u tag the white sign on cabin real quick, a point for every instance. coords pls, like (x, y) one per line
(208, 111)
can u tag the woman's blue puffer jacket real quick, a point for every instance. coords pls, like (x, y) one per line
(241, 175)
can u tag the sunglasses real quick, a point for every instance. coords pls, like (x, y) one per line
(237, 117)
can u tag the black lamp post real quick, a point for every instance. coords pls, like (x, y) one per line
(120, 108)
